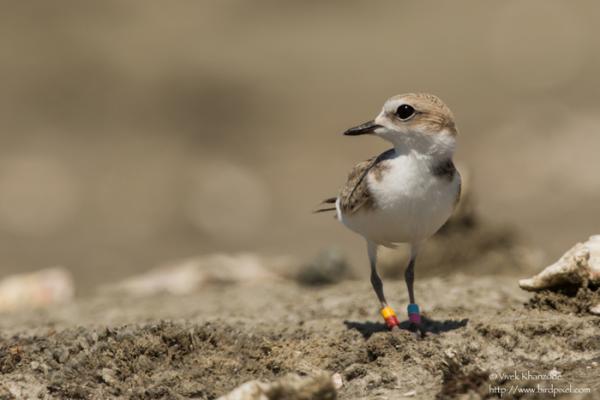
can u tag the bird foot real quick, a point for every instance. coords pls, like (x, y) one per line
(414, 318)
(390, 318)
(414, 315)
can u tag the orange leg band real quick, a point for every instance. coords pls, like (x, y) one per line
(389, 316)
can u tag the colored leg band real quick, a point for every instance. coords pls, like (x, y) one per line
(389, 316)
(414, 314)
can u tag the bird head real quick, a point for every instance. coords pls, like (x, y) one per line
(416, 121)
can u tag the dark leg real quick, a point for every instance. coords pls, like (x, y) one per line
(409, 277)
(375, 279)
(414, 314)
(387, 312)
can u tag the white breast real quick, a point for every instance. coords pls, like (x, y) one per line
(411, 204)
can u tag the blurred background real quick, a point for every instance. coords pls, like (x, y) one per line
(132, 133)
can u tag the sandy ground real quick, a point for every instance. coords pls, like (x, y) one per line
(484, 337)
(203, 345)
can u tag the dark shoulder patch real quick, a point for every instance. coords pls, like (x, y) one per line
(444, 169)
(355, 194)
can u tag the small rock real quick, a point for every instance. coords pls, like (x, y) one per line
(43, 368)
(82, 343)
(410, 393)
(337, 380)
(290, 387)
(554, 373)
(61, 355)
(108, 376)
(355, 371)
(474, 346)
(450, 353)
(328, 267)
(185, 276)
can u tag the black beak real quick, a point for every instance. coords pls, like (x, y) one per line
(363, 129)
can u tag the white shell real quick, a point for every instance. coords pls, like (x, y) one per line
(580, 266)
(36, 289)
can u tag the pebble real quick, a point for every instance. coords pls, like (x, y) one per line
(108, 376)
(337, 380)
(61, 355)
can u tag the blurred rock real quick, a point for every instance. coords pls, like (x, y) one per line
(330, 266)
(290, 387)
(37, 289)
(186, 276)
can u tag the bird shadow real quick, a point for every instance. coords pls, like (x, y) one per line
(428, 326)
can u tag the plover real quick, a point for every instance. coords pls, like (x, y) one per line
(405, 194)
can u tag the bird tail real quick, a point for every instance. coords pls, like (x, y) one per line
(330, 200)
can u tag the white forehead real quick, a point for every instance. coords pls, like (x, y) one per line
(391, 105)
(419, 101)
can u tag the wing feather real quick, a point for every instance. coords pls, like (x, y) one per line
(355, 194)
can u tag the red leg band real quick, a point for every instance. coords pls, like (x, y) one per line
(389, 317)
(392, 322)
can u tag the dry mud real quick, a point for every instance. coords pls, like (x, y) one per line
(479, 332)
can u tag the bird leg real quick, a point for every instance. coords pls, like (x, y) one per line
(414, 315)
(387, 312)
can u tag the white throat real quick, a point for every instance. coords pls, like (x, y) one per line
(437, 146)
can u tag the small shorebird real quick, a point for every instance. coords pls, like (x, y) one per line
(405, 194)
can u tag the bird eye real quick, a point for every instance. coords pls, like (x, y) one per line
(405, 111)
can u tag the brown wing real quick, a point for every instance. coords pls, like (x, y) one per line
(355, 194)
